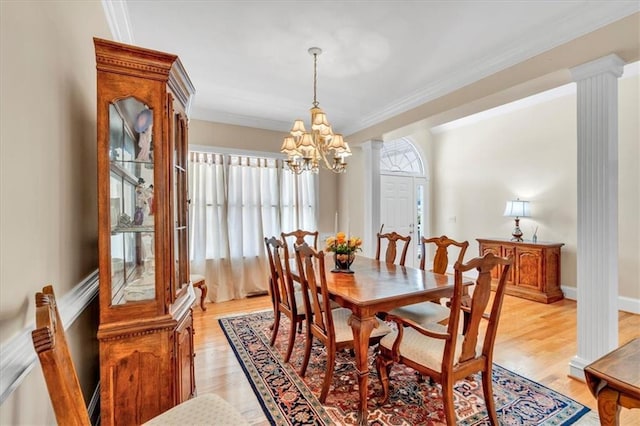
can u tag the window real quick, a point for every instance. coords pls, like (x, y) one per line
(236, 201)
(242, 195)
(400, 156)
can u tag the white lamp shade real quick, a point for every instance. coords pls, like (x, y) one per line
(517, 208)
(337, 143)
(298, 128)
(288, 145)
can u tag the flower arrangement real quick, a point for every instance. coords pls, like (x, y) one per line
(340, 244)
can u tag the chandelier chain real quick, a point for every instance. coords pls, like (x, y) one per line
(315, 79)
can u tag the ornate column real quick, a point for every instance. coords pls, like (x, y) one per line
(371, 152)
(597, 257)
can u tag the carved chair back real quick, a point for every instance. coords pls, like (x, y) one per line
(315, 294)
(441, 258)
(392, 239)
(298, 237)
(50, 343)
(284, 297)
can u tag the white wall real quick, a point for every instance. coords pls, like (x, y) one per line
(531, 153)
(48, 176)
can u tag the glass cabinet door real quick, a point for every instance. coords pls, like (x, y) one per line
(132, 207)
(180, 202)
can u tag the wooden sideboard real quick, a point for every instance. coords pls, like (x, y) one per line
(535, 273)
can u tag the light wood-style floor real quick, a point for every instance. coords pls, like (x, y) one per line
(534, 340)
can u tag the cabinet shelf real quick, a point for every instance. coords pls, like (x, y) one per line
(134, 229)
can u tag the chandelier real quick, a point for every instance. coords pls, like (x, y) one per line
(306, 150)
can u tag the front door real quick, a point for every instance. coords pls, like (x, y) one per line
(402, 210)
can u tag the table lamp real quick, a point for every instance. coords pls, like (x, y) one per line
(517, 209)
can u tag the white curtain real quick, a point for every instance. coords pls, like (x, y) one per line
(235, 202)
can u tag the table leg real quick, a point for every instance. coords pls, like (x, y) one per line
(608, 408)
(362, 328)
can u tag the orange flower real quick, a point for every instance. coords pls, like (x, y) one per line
(340, 244)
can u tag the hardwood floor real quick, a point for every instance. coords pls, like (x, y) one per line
(535, 340)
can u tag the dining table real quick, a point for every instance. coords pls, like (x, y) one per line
(376, 286)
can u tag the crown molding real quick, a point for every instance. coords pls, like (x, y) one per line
(117, 15)
(205, 114)
(531, 44)
(629, 70)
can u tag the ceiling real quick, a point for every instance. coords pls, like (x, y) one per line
(249, 63)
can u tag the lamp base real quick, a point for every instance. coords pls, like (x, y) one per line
(517, 233)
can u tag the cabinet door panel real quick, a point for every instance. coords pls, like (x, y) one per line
(529, 268)
(506, 252)
(496, 250)
(185, 365)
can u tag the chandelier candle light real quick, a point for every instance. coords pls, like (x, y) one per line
(306, 150)
(517, 209)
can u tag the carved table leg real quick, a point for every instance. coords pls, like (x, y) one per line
(608, 408)
(362, 328)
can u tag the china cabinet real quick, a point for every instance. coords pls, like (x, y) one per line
(535, 273)
(145, 330)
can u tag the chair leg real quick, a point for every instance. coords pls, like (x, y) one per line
(447, 400)
(487, 389)
(383, 365)
(276, 325)
(292, 339)
(203, 296)
(328, 375)
(308, 342)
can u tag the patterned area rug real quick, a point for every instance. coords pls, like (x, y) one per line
(288, 399)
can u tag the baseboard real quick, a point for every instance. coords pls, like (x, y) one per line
(626, 304)
(576, 368)
(17, 356)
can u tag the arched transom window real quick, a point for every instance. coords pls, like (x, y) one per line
(400, 156)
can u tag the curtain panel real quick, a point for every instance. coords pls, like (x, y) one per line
(236, 201)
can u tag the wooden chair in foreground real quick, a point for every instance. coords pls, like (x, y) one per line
(286, 300)
(330, 327)
(441, 352)
(50, 343)
(392, 250)
(426, 312)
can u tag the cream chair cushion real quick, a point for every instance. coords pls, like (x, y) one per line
(206, 409)
(196, 278)
(423, 312)
(422, 349)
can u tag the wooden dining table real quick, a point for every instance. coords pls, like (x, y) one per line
(376, 286)
(614, 379)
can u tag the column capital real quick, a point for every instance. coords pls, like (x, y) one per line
(372, 144)
(607, 64)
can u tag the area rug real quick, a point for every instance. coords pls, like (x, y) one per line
(288, 399)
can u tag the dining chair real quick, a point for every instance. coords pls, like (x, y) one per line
(299, 237)
(433, 311)
(50, 343)
(286, 300)
(442, 352)
(330, 326)
(392, 239)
